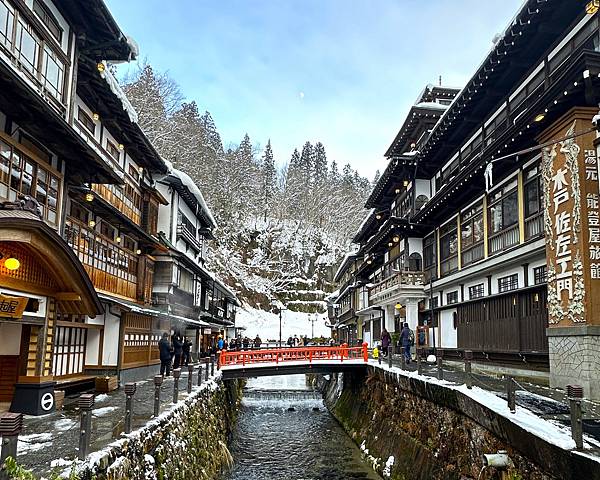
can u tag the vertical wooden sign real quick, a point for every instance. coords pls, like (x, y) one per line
(571, 220)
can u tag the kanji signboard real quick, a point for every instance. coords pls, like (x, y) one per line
(12, 307)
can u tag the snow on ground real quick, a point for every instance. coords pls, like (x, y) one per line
(266, 324)
(64, 424)
(33, 442)
(98, 412)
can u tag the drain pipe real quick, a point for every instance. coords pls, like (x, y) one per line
(500, 461)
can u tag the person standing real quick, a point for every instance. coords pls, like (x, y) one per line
(405, 339)
(177, 350)
(164, 347)
(386, 341)
(186, 351)
(220, 343)
(257, 342)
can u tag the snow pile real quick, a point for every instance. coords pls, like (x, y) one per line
(33, 443)
(266, 324)
(387, 470)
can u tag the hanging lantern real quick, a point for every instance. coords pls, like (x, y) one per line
(138, 252)
(405, 183)
(396, 239)
(89, 197)
(390, 244)
(118, 239)
(12, 263)
(592, 7)
(378, 216)
(369, 261)
(100, 66)
(96, 117)
(92, 223)
(121, 146)
(540, 116)
(397, 191)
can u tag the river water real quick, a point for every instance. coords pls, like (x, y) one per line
(284, 432)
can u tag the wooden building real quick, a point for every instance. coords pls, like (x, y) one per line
(200, 305)
(456, 236)
(42, 47)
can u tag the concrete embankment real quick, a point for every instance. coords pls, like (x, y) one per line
(414, 427)
(187, 441)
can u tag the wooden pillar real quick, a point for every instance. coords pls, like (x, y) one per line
(485, 227)
(521, 206)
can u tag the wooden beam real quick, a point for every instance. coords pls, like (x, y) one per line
(67, 297)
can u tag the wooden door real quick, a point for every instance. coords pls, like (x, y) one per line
(9, 372)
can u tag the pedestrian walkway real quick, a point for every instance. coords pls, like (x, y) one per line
(547, 403)
(51, 441)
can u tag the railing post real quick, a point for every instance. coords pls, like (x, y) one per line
(212, 365)
(310, 356)
(199, 374)
(440, 364)
(11, 425)
(468, 377)
(419, 362)
(129, 393)
(390, 350)
(379, 355)
(402, 361)
(190, 378)
(575, 394)
(176, 375)
(158, 380)
(207, 369)
(85, 403)
(511, 393)
(365, 352)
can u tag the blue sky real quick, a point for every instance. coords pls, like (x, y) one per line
(343, 72)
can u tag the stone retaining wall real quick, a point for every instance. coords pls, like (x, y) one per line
(410, 428)
(187, 441)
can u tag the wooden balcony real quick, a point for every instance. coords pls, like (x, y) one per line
(114, 195)
(188, 235)
(534, 226)
(398, 285)
(472, 254)
(110, 267)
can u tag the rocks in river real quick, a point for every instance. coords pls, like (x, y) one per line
(291, 409)
(316, 409)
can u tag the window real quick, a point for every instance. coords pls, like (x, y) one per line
(28, 46)
(86, 120)
(449, 247)
(47, 19)
(129, 244)
(134, 173)
(476, 291)
(133, 196)
(7, 24)
(471, 232)
(539, 275)
(532, 191)
(186, 280)
(451, 297)
(434, 302)
(21, 174)
(107, 230)
(504, 218)
(429, 254)
(78, 212)
(506, 284)
(113, 151)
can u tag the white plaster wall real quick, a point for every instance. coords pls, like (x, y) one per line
(165, 220)
(422, 187)
(92, 349)
(415, 245)
(534, 264)
(474, 282)
(447, 331)
(10, 333)
(110, 351)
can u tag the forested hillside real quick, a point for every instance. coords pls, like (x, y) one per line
(283, 225)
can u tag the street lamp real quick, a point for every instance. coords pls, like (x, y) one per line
(312, 324)
(277, 309)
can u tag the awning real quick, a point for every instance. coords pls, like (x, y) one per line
(130, 306)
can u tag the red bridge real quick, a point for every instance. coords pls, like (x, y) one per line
(287, 361)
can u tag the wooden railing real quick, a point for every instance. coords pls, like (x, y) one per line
(282, 355)
(472, 254)
(449, 265)
(405, 278)
(504, 239)
(116, 197)
(534, 226)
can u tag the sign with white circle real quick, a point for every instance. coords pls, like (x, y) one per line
(47, 401)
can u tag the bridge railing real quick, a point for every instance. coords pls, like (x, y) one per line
(300, 354)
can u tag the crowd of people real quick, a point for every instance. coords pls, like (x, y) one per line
(174, 352)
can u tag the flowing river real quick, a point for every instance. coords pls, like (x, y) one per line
(285, 432)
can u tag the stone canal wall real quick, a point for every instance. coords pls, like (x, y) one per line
(410, 427)
(187, 441)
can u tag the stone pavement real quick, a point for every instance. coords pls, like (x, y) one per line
(51, 440)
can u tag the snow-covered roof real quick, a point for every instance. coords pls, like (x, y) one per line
(435, 105)
(189, 184)
(116, 89)
(344, 265)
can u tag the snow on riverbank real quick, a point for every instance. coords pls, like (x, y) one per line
(266, 324)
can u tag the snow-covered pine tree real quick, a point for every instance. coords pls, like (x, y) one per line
(269, 177)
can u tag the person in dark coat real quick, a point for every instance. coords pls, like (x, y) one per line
(177, 350)
(164, 347)
(187, 346)
(386, 341)
(405, 341)
(257, 342)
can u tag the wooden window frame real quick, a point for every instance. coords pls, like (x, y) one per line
(508, 283)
